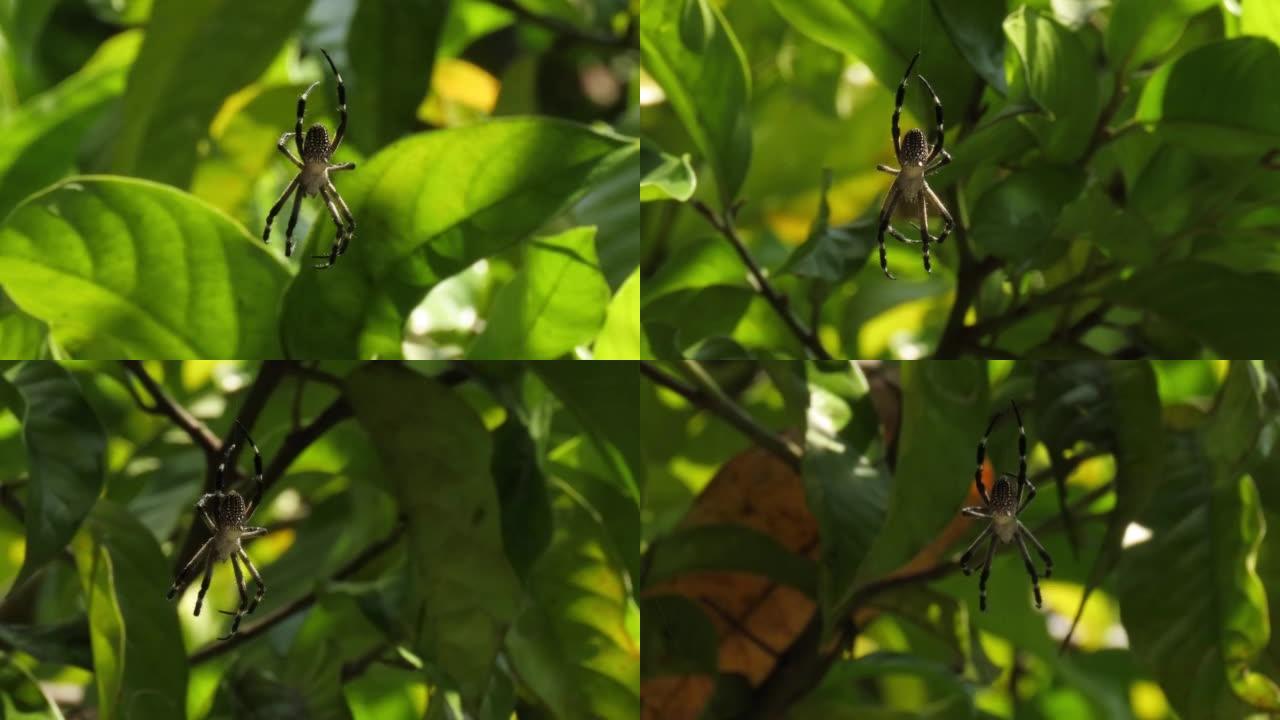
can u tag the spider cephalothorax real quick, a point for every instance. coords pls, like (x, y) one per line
(225, 512)
(917, 159)
(316, 153)
(1002, 508)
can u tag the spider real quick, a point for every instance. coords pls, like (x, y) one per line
(225, 513)
(1002, 508)
(917, 159)
(313, 175)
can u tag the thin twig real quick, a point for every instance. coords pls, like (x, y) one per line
(730, 412)
(366, 556)
(561, 27)
(164, 405)
(779, 302)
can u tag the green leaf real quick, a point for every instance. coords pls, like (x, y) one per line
(428, 207)
(522, 493)
(555, 303)
(663, 176)
(1014, 219)
(676, 637)
(601, 397)
(975, 28)
(138, 658)
(689, 49)
(846, 482)
(166, 111)
(1059, 75)
(944, 411)
(570, 644)
(1208, 99)
(464, 590)
(700, 264)
(830, 255)
(122, 267)
(21, 336)
(728, 548)
(392, 48)
(620, 337)
(65, 643)
(43, 137)
(1141, 30)
(1176, 291)
(837, 699)
(1259, 19)
(1193, 606)
(21, 695)
(66, 447)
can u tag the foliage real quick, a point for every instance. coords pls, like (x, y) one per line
(443, 541)
(830, 589)
(139, 166)
(1114, 168)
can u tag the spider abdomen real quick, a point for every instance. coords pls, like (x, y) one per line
(316, 144)
(1004, 501)
(915, 149)
(230, 511)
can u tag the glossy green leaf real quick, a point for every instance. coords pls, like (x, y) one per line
(975, 28)
(620, 338)
(689, 49)
(66, 448)
(392, 47)
(428, 207)
(1141, 30)
(522, 493)
(944, 411)
(846, 482)
(576, 464)
(121, 267)
(1208, 99)
(138, 658)
(21, 73)
(610, 205)
(43, 137)
(438, 454)
(703, 263)
(1015, 218)
(21, 336)
(1193, 606)
(1176, 291)
(65, 643)
(570, 644)
(1261, 18)
(665, 177)
(1059, 75)
(601, 397)
(830, 255)
(21, 694)
(555, 303)
(166, 112)
(728, 548)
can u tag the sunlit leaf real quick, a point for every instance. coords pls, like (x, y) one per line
(1144, 29)
(1058, 75)
(620, 338)
(665, 177)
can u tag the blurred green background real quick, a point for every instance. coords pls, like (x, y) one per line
(829, 587)
(1114, 175)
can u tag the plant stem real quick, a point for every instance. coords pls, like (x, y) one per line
(165, 405)
(729, 411)
(724, 225)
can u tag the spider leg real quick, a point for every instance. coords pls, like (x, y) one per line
(924, 231)
(257, 474)
(204, 584)
(900, 237)
(289, 242)
(262, 587)
(346, 214)
(204, 514)
(181, 579)
(944, 158)
(975, 511)
(244, 600)
(886, 212)
(343, 166)
(986, 573)
(284, 140)
(897, 105)
(302, 109)
(982, 454)
(1031, 569)
(968, 552)
(938, 137)
(948, 221)
(342, 105)
(887, 169)
(1022, 451)
(338, 243)
(275, 209)
(1044, 554)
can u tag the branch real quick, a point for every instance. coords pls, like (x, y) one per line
(569, 30)
(209, 652)
(731, 413)
(724, 225)
(299, 440)
(164, 405)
